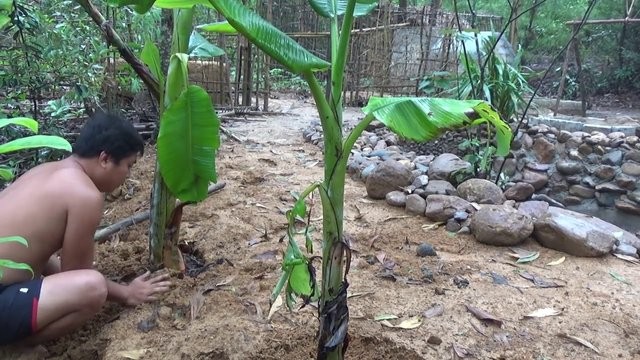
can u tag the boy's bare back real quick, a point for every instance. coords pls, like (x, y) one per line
(36, 207)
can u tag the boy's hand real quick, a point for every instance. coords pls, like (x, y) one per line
(144, 289)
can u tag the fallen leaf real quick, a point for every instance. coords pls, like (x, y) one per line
(580, 341)
(226, 281)
(543, 313)
(483, 315)
(434, 311)
(310, 164)
(557, 262)
(254, 242)
(277, 304)
(433, 226)
(132, 354)
(502, 337)
(477, 328)
(628, 258)
(410, 323)
(529, 258)
(498, 278)
(619, 277)
(196, 302)
(539, 281)
(460, 351)
(355, 295)
(385, 317)
(521, 253)
(381, 256)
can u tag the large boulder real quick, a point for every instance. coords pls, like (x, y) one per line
(443, 207)
(443, 166)
(575, 233)
(388, 176)
(500, 225)
(481, 191)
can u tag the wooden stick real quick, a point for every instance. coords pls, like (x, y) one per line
(608, 21)
(102, 234)
(230, 134)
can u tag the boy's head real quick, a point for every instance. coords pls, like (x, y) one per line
(115, 145)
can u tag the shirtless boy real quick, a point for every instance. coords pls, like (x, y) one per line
(57, 207)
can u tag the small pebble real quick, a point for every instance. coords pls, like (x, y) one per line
(434, 340)
(427, 274)
(460, 216)
(425, 249)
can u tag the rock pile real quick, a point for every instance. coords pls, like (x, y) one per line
(546, 170)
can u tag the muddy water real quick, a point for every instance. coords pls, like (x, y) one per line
(621, 219)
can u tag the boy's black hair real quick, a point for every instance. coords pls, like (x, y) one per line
(109, 133)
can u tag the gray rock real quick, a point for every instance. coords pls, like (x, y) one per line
(628, 206)
(634, 196)
(598, 150)
(574, 155)
(443, 166)
(544, 150)
(367, 170)
(574, 233)
(633, 155)
(420, 192)
(564, 136)
(425, 249)
(569, 167)
(626, 182)
(460, 216)
(613, 158)
(597, 138)
(585, 149)
(572, 200)
(519, 192)
(534, 209)
(440, 187)
(536, 179)
(611, 188)
(574, 179)
(582, 191)
(606, 199)
(593, 159)
(452, 225)
(632, 140)
(416, 204)
(589, 181)
(631, 168)
(396, 198)
(420, 181)
(509, 168)
(500, 225)
(388, 176)
(537, 166)
(547, 199)
(605, 172)
(481, 191)
(464, 230)
(442, 207)
(626, 249)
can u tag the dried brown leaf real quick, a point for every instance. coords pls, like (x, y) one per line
(460, 351)
(580, 341)
(410, 323)
(539, 281)
(435, 310)
(277, 304)
(196, 301)
(543, 313)
(628, 258)
(483, 315)
(557, 262)
(132, 354)
(381, 256)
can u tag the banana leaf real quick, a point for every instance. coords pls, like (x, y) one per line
(424, 119)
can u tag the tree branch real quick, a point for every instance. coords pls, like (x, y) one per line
(103, 234)
(114, 39)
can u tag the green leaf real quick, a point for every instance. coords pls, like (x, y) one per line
(4, 20)
(181, 4)
(300, 280)
(619, 277)
(527, 259)
(21, 121)
(18, 239)
(424, 119)
(35, 141)
(140, 6)
(6, 173)
(268, 38)
(299, 208)
(221, 27)
(333, 8)
(199, 46)
(6, 5)
(14, 265)
(187, 144)
(150, 55)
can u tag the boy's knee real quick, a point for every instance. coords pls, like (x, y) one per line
(95, 289)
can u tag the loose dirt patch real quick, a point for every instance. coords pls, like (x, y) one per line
(259, 175)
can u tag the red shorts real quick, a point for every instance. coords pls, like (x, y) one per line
(19, 310)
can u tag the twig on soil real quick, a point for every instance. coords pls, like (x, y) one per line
(230, 134)
(475, 326)
(103, 234)
(611, 322)
(397, 218)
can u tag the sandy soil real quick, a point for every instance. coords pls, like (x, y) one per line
(231, 324)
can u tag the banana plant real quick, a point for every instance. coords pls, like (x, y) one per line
(7, 174)
(418, 119)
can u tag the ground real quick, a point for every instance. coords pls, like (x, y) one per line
(228, 229)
